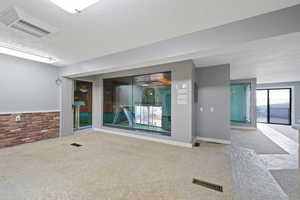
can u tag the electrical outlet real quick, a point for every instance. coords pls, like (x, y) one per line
(44, 131)
(212, 109)
(18, 118)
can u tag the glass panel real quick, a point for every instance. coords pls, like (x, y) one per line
(117, 110)
(139, 102)
(156, 116)
(138, 114)
(241, 103)
(152, 97)
(279, 106)
(82, 104)
(262, 106)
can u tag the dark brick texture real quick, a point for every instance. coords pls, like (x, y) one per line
(32, 127)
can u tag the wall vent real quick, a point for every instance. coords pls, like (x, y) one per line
(17, 19)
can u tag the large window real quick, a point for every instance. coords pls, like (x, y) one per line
(274, 106)
(262, 106)
(139, 102)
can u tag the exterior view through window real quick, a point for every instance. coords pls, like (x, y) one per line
(139, 102)
(274, 106)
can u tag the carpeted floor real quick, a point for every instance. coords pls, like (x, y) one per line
(255, 140)
(289, 180)
(252, 180)
(284, 168)
(112, 167)
(288, 131)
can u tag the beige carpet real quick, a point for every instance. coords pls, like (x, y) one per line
(256, 141)
(287, 131)
(112, 167)
(289, 180)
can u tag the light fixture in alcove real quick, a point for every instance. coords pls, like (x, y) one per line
(83, 89)
(74, 6)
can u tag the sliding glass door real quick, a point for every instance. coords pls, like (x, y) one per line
(262, 106)
(280, 106)
(274, 106)
(141, 102)
(82, 105)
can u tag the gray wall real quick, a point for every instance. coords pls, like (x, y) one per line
(214, 92)
(97, 106)
(295, 100)
(27, 86)
(67, 98)
(181, 114)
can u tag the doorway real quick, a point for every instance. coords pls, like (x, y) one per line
(82, 106)
(274, 106)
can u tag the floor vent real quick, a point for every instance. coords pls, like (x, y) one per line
(208, 185)
(197, 144)
(213, 142)
(76, 145)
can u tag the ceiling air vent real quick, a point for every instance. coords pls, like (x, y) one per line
(17, 19)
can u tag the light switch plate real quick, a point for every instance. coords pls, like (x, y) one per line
(212, 109)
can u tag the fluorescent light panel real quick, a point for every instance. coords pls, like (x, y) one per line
(74, 6)
(25, 55)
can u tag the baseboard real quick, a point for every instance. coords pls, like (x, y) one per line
(164, 141)
(194, 140)
(83, 130)
(296, 126)
(29, 112)
(205, 139)
(243, 128)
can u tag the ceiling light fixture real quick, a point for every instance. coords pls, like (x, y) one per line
(22, 54)
(74, 6)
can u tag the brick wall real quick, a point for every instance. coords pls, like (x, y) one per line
(32, 127)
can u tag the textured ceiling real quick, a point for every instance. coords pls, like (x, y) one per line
(112, 26)
(270, 60)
